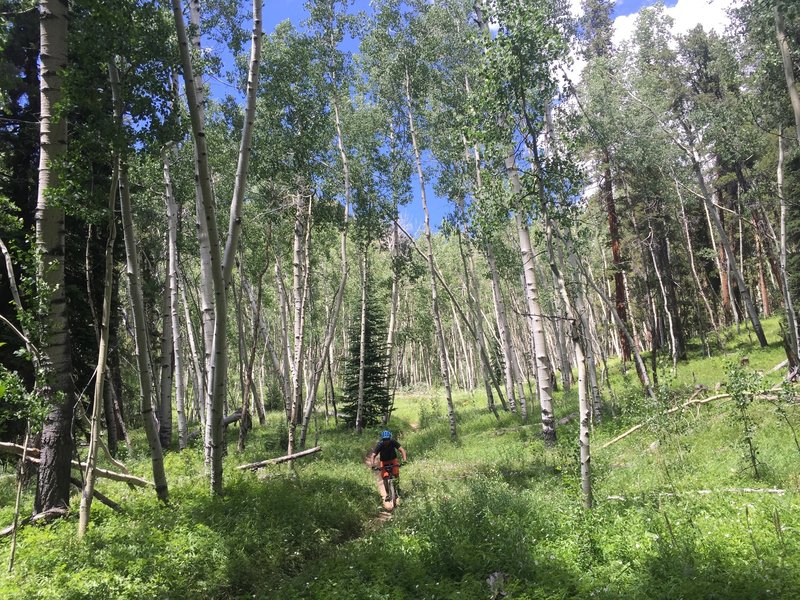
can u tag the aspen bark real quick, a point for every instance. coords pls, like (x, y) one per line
(506, 346)
(204, 245)
(300, 272)
(788, 67)
(543, 369)
(362, 341)
(174, 303)
(52, 488)
(137, 303)
(87, 493)
(431, 267)
(743, 288)
(220, 265)
(213, 264)
(197, 364)
(391, 373)
(690, 249)
(575, 307)
(673, 340)
(762, 281)
(791, 317)
(333, 316)
(244, 423)
(640, 367)
(166, 372)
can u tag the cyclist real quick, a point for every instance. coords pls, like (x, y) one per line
(386, 450)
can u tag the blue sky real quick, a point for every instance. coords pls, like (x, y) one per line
(685, 12)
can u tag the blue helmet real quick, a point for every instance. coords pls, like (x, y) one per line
(386, 434)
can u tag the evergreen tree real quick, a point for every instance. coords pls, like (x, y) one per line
(376, 364)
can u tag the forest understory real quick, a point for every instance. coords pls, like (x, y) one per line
(679, 511)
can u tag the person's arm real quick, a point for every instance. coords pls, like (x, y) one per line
(373, 457)
(403, 452)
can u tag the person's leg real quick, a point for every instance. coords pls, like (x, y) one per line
(385, 475)
(388, 496)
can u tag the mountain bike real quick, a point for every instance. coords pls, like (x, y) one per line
(390, 486)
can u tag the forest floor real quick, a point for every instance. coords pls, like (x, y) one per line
(682, 507)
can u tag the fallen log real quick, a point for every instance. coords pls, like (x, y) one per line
(274, 461)
(10, 529)
(691, 401)
(674, 409)
(42, 517)
(33, 454)
(775, 491)
(232, 418)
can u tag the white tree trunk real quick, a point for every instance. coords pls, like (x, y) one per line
(212, 265)
(302, 236)
(174, 303)
(443, 360)
(506, 346)
(690, 249)
(788, 68)
(166, 370)
(137, 302)
(362, 336)
(543, 369)
(743, 287)
(52, 490)
(333, 316)
(791, 317)
(87, 494)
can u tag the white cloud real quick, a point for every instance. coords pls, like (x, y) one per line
(712, 14)
(686, 14)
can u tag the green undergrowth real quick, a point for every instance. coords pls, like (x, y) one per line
(700, 503)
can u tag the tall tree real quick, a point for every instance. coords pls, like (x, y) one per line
(52, 490)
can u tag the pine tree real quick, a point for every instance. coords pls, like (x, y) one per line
(376, 364)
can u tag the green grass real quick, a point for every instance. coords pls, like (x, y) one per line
(667, 522)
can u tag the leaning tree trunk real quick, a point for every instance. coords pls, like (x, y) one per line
(52, 488)
(791, 317)
(506, 347)
(437, 318)
(394, 302)
(212, 265)
(788, 68)
(206, 288)
(640, 367)
(244, 424)
(87, 493)
(723, 236)
(692, 264)
(543, 368)
(137, 302)
(473, 304)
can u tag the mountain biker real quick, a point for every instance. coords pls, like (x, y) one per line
(386, 450)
